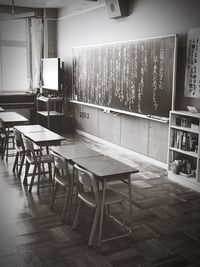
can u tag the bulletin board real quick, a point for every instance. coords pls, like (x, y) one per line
(192, 70)
(134, 76)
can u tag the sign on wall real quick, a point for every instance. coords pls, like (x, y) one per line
(192, 71)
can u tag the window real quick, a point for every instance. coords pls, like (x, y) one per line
(14, 56)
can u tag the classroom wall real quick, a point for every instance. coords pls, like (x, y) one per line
(147, 18)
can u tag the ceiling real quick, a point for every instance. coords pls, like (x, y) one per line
(45, 3)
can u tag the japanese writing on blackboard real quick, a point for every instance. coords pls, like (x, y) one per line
(134, 76)
(192, 71)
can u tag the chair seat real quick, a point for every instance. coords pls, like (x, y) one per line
(41, 159)
(89, 193)
(63, 180)
(63, 176)
(20, 149)
(111, 197)
(37, 148)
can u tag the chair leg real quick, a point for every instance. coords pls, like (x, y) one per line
(77, 215)
(123, 217)
(33, 178)
(26, 172)
(50, 171)
(7, 147)
(107, 209)
(1, 145)
(13, 142)
(102, 211)
(94, 225)
(43, 169)
(21, 165)
(66, 205)
(39, 176)
(16, 161)
(54, 193)
(3, 149)
(100, 227)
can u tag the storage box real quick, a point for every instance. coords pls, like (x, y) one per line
(194, 127)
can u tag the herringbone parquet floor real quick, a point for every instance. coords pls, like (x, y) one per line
(166, 219)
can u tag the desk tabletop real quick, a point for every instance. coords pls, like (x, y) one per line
(46, 137)
(30, 128)
(12, 117)
(104, 166)
(74, 151)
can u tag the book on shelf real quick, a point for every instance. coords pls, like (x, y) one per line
(187, 175)
(185, 141)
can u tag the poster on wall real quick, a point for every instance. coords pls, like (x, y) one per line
(192, 71)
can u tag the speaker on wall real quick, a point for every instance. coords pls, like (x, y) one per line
(117, 8)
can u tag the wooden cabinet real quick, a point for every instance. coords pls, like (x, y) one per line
(184, 149)
(49, 107)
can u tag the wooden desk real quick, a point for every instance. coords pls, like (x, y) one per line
(10, 119)
(75, 151)
(45, 138)
(108, 169)
(30, 128)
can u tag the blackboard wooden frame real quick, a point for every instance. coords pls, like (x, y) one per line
(173, 75)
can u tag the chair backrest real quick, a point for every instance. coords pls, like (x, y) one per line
(87, 182)
(61, 167)
(18, 140)
(29, 148)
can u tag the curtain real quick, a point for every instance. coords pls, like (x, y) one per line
(37, 43)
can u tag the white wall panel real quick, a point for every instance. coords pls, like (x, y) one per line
(109, 127)
(134, 134)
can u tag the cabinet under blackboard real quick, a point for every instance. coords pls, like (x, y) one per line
(134, 76)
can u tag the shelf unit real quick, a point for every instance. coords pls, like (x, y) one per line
(184, 149)
(53, 107)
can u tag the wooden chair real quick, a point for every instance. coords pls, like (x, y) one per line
(64, 177)
(37, 161)
(20, 152)
(2, 138)
(90, 194)
(7, 138)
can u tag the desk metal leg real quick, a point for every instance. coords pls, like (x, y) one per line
(102, 211)
(7, 141)
(130, 205)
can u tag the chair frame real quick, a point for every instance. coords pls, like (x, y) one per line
(7, 132)
(19, 145)
(37, 161)
(62, 177)
(86, 177)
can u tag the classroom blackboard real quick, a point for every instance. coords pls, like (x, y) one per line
(134, 76)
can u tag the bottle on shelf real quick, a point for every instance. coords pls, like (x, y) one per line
(184, 141)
